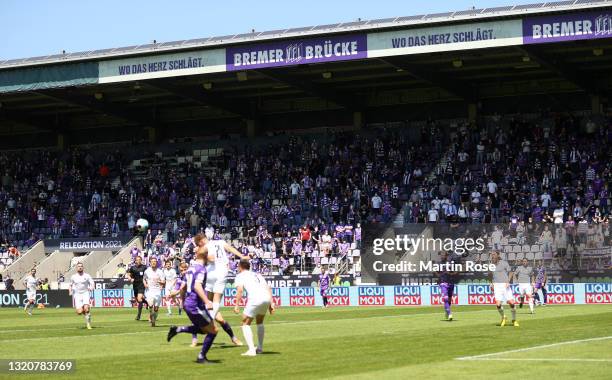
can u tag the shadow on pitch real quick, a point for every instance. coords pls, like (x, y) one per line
(214, 361)
(224, 345)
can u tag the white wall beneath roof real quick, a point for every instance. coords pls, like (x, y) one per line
(505, 33)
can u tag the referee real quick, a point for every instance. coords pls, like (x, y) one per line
(135, 274)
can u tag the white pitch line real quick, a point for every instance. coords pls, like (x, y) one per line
(479, 357)
(544, 359)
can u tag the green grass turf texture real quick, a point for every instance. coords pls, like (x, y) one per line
(312, 343)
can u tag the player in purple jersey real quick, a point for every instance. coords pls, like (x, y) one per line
(324, 286)
(540, 283)
(446, 281)
(196, 305)
(179, 285)
(217, 277)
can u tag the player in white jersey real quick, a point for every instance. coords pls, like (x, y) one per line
(217, 268)
(153, 281)
(524, 275)
(258, 304)
(81, 284)
(501, 278)
(31, 285)
(170, 276)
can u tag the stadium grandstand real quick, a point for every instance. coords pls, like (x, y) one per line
(289, 142)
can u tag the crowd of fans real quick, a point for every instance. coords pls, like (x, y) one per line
(556, 168)
(569, 248)
(305, 198)
(260, 196)
(278, 254)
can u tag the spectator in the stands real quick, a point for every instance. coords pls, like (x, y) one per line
(8, 283)
(121, 270)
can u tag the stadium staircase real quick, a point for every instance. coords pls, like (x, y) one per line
(342, 266)
(26, 261)
(109, 268)
(92, 262)
(50, 267)
(437, 170)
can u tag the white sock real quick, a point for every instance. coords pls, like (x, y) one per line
(500, 310)
(215, 309)
(26, 307)
(260, 336)
(531, 304)
(85, 316)
(248, 336)
(513, 311)
(169, 308)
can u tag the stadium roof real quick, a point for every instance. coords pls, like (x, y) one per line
(360, 25)
(412, 83)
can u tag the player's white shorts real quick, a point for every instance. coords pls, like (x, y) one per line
(502, 292)
(525, 289)
(153, 298)
(30, 295)
(216, 281)
(253, 310)
(80, 300)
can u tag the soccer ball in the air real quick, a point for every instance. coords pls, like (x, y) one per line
(142, 225)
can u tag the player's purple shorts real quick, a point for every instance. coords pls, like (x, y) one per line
(199, 317)
(538, 285)
(448, 290)
(324, 292)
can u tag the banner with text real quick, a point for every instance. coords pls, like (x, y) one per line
(162, 66)
(85, 244)
(297, 52)
(49, 298)
(274, 281)
(445, 38)
(427, 253)
(296, 281)
(401, 295)
(567, 27)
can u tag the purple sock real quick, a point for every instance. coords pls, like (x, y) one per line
(447, 305)
(208, 341)
(193, 329)
(228, 329)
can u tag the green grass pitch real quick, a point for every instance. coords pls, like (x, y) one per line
(311, 343)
